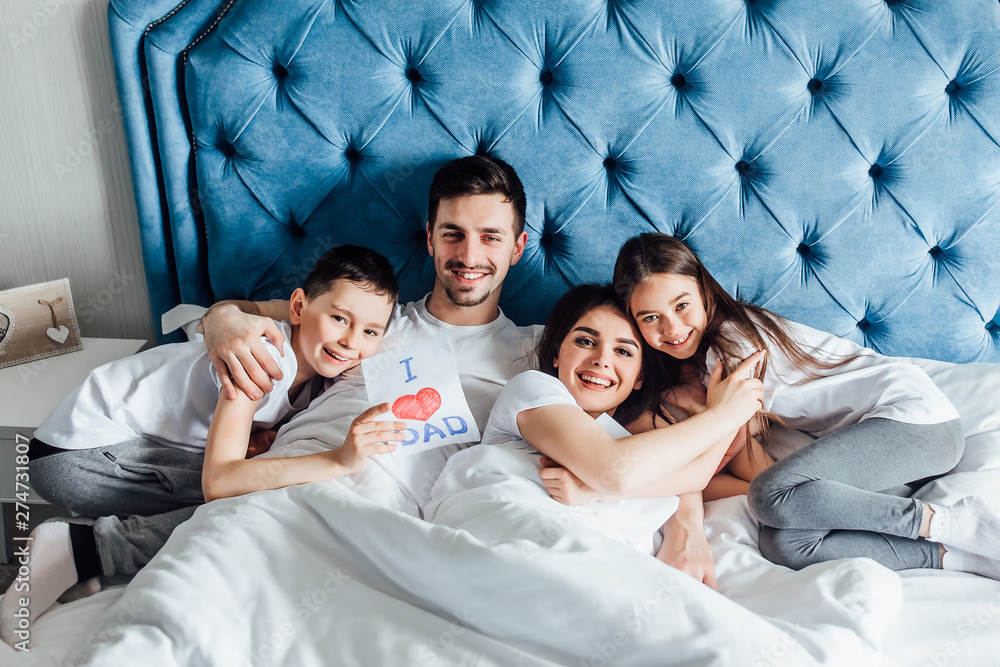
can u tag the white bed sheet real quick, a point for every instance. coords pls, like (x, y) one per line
(916, 617)
(945, 618)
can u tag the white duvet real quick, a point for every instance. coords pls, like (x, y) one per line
(318, 575)
(313, 576)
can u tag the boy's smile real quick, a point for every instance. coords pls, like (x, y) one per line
(339, 328)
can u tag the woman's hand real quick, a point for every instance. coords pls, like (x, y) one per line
(232, 338)
(740, 394)
(685, 545)
(367, 437)
(566, 487)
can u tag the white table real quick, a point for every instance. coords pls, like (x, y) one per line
(28, 393)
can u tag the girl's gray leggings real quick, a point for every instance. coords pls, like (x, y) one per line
(847, 495)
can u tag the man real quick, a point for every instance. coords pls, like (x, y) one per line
(475, 233)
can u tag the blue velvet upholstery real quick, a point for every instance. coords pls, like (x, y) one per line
(836, 162)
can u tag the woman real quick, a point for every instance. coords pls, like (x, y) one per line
(590, 382)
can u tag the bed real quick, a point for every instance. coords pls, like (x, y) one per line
(837, 163)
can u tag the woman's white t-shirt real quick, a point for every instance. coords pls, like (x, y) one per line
(635, 520)
(166, 394)
(870, 386)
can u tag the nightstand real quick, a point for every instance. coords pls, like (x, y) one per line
(28, 393)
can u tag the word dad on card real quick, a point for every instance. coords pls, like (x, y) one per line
(421, 383)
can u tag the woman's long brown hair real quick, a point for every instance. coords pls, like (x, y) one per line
(573, 305)
(643, 256)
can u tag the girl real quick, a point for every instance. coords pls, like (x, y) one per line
(591, 370)
(884, 428)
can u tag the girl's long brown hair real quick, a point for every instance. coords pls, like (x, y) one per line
(653, 253)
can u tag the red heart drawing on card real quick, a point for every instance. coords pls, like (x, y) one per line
(417, 406)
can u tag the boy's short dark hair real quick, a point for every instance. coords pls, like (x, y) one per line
(356, 264)
(478, 175)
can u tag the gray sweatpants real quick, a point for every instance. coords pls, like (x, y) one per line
(848, 495)
(138, 490)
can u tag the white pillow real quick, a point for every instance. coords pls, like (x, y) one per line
(974, 389)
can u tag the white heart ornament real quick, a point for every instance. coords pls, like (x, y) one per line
(58, 335)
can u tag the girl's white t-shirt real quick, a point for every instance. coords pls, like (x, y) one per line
(166, 394)
(637, 520)
(871, 386)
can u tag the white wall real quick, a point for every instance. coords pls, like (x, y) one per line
(66, 203)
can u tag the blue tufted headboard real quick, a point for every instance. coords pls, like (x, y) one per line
(836, 162)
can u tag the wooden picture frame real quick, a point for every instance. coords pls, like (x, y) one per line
(37, 321)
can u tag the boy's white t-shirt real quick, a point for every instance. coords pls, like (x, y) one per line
(871, 386)
(636, 520)
(166, 394)
(487, 356)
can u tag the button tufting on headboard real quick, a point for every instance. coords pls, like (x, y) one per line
(835, 162)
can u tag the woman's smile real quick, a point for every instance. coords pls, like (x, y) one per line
(599, 360)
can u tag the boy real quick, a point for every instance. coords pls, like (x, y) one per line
(148, 418)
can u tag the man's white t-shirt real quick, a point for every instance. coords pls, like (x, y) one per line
(871, 386)
(487, 356)
(166, 394)
(635, 520)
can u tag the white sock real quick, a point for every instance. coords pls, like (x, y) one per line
(970, 525)
(957, 560)
(51, 572)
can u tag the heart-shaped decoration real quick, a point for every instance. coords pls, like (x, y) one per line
(58, 335)
(419, 406)
(6, 326)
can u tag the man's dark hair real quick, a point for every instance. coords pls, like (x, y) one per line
(357, 264)
(478, 175)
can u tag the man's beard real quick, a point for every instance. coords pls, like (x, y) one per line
(457, 296)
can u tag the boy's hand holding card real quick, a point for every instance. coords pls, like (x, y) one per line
(420, 381)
